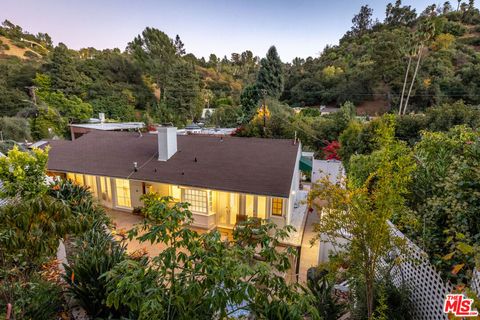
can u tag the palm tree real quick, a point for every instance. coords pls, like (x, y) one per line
(425, 33)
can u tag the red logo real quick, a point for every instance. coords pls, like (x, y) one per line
(459, 306)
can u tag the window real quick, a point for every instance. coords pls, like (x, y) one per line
(76, 178)
(197, 200)
(261, 207)
(212, 203)
(91, 181)
(176, 193)
(123, 193)
(249, 205)
(277, 206)
(105, 188)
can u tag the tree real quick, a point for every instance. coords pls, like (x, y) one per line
(203, 277)
(362, 21)
(249, 100)
(399, 15)
(63, 71)
(15, 128)
(354, 213)
(425, 33)
(270, 76)
(155, 52)
(23, 173)
(179, 46)
(183, 92)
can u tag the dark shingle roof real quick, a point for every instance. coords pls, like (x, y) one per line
(248, 165)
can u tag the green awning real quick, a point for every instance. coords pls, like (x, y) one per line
(305, 164)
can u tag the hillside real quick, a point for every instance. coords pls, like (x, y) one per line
(7, 48)
(370, 62)
(415, 59)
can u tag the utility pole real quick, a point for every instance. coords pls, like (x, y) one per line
(264, 105)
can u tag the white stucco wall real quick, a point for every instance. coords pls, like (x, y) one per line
(295, 185)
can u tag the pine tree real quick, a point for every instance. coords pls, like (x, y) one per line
(179, 46)
(270, 76)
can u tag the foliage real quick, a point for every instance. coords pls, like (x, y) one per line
(201, 276)
(84, 207)
(15, 128)
(390, 302)
(249, 100)
(36, 299)
(23, 173)
(270, 76)
(355, 212)
(97, 253)
(227, 116)
(445, 195)
(331, 151)
(322, 287)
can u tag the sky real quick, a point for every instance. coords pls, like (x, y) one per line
(298, 28)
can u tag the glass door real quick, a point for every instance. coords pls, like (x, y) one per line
(105, 192)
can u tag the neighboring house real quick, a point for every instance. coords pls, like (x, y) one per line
(225, 179)
(78, 130)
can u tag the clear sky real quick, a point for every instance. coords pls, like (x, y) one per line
(297, 27)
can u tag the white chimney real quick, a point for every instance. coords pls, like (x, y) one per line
(101, 116)
(167, 142)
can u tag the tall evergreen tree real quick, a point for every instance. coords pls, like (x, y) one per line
(270, 76)
(155, 52)
(363, 20)
(179, 46)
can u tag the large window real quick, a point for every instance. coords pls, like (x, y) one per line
(76, 177)
(91, 181)
(212, 201)
(261, 207)
(106, 192)
(123, 193)
(197, 199)
(277, 206)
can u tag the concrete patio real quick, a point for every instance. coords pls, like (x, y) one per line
(303, 222)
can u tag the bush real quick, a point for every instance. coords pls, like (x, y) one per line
(15, 128)
(322, 288)
(390, 302)
(97, 253)
(81, 202)
(38, 299)
(30, 54)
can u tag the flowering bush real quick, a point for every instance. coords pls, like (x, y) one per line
(331, 151)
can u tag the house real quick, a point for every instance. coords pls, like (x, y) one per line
(78, 130)
(225, 179)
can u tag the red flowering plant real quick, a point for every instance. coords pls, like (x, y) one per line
(330, 151)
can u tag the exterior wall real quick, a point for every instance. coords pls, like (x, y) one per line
(223, 212)
(295, 185)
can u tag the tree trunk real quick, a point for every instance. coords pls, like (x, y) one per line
(404, 85)
(413, 79)
(369, 293)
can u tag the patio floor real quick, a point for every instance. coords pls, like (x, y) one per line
(125, 221)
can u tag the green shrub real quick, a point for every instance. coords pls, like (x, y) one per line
(34, 300)
(81, 202)
(322, 288)
(30, 54)
(97, 253)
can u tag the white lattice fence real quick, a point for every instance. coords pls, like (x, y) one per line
(427, 288)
